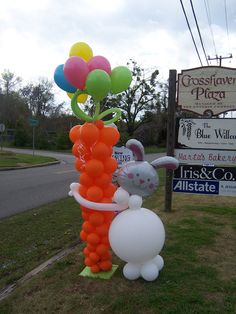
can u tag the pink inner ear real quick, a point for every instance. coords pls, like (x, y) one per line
(137, 152)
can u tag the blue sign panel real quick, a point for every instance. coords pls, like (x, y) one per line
(196, 186)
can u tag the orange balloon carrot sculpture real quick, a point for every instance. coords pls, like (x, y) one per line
(83, 74)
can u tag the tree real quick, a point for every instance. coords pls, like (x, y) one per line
(12, 106)
(39, 97)
(142, 95)
(9, 82)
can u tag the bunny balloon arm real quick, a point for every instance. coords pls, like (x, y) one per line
(74, 191)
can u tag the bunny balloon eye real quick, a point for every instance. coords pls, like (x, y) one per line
(137, 175)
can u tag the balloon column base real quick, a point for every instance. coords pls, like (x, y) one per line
(86, 272)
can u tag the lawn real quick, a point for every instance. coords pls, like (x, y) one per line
(199, 275)
(10, 159)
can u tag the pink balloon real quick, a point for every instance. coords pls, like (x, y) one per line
(76, 71)
(101, 63)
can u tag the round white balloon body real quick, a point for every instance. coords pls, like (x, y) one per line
(136, 235)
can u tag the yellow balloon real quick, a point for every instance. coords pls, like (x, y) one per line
(81, 98)
(82, 50)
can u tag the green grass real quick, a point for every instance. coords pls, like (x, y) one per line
(199, 275)
(32, 237)
(10, 159)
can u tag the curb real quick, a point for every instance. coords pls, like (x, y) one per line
(31, 166)
(6, 291)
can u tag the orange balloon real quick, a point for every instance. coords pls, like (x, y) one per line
(89, 133)
(74, 133)
(91, 248)
(85, 179)
(110, 165)
(94, 257)
(102, 249)
(79, 165)
(96, 219)
(88, 227)
(110, 190)
(83, 235)
(83, 190)
(88, 262)
(105, 265)
(102, 230)
(75, 149)
(109, 216)
(99, 124)
(100, 151)
(95, 268)
(93, 238)
(85, 216)
(94, 168)
(103, 180)
(86, 251)
(105, 240)
(94, 193)
(106, 256)
(109, 135)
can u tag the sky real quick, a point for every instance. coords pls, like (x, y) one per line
(36, 36)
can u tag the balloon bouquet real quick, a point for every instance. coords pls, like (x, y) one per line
(136, 234)
(81, 76)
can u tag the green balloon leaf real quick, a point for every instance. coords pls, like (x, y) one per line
(98, 84)
(121, 78)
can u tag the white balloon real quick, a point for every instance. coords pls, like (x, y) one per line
(131, 271)
(149, 271)
(136, 236)
(158, 260)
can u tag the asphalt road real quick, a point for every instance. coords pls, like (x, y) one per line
(24, 189)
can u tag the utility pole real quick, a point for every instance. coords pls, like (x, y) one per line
(220, 58)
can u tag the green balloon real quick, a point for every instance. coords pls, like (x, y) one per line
(98, 84)
(121, 78)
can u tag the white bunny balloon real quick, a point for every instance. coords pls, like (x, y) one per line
(137, 234)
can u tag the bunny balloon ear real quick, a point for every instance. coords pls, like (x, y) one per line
(137, 148)
(165, 162)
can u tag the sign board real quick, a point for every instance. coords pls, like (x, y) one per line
(205, 180)
(122, 155)
(207, 133)
(2, 127)
(206, 157)
(33, 122)
(207, 90)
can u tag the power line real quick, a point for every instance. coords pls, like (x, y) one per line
(191, 32)
(209, 22)
(199, 33)
(226, 23)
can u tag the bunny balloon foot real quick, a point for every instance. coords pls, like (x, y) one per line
(149, 271)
